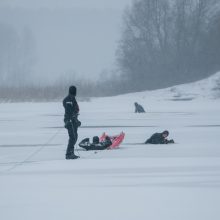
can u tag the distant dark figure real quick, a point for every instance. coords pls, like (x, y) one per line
(159, 138)
(71, 121)
(96, 144)
(138, 108)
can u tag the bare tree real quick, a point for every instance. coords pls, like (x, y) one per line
(16, 56)
(8, 49)
(162, 42)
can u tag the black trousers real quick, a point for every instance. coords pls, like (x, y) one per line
(73, 136)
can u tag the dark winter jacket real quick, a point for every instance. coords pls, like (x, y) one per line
(157, 138)
(139, 108)
(95, 146)
(71, 108)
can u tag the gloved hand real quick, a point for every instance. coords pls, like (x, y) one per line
(166, 141)
(67, 123)
(78, 123)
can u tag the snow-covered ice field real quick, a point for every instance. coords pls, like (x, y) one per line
(136, 182)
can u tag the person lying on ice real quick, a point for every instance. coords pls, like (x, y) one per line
(96, 144)
(138, 108)
(159, 138)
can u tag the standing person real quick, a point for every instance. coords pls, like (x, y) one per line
(71, 121)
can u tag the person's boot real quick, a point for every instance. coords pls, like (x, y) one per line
(71, 156)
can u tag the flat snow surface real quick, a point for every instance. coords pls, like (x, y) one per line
(136, 182)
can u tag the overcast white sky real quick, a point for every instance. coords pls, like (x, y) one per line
(81, 39)
(115, 4)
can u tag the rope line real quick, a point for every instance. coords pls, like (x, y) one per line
(34, 153)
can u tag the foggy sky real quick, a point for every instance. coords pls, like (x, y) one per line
(100, 4)
(70, 35)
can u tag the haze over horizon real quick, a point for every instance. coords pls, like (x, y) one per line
(98, 4)
(70, 36)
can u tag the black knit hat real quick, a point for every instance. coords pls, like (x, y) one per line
(72, 90)
(166, 132)
(95, 140)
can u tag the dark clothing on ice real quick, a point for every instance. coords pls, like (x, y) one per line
(71, 122)
(71, 107)
(95, 145)
(138, 108)
(73, 136)
(158, 138)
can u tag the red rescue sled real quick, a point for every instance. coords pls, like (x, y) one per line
(116, 139)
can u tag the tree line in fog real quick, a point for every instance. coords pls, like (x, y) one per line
(163, 43)
(168, 42)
